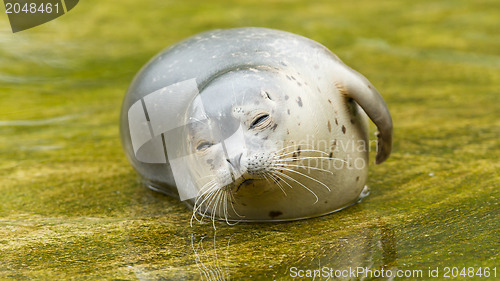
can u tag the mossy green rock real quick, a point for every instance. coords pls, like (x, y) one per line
(71, 207)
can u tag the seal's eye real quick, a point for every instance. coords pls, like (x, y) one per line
(260, 121)
(204, 145)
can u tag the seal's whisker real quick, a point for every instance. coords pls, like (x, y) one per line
(216, 205)
(209, 208)
(312, 157)
(209, 196)
(196, 207)
(220, 205)
(304, 175)
(266, 177)
(276, 175)
(226, 198)
(301, 166)
(276, 181)
(232, 205)
(224, 203)
(270, 177)
(205, 189)
(195, 210)
(204, 197)
(308, 189)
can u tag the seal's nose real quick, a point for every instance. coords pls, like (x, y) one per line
(235, 164)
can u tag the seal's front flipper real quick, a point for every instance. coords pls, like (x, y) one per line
(364, 193)
(356, 86)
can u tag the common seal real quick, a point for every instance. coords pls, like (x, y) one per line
(253, 124)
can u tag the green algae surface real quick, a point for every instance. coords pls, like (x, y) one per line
(71, 207)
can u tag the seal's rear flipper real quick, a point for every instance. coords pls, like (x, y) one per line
(356, 86)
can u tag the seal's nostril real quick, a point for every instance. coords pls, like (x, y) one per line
(235, 162)
(232, 168)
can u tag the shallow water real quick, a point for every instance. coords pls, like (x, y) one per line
(71, 207)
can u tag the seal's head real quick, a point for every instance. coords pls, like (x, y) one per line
(251, 141)
(235, 134)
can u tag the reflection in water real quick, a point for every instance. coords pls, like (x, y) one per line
(356, 256)
(208, 254)
(208, 262)
(388, 245)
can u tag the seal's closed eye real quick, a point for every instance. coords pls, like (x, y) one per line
(203, 146)
(261, 121)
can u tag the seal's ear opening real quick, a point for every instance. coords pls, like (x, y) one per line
(357, 87)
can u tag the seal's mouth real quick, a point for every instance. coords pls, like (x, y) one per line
(244, 183)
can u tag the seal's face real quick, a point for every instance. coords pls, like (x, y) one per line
(248, 147)
(233, 133)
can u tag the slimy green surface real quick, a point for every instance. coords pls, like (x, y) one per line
(71, 207)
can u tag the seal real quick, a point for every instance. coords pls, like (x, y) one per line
(253, 124)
